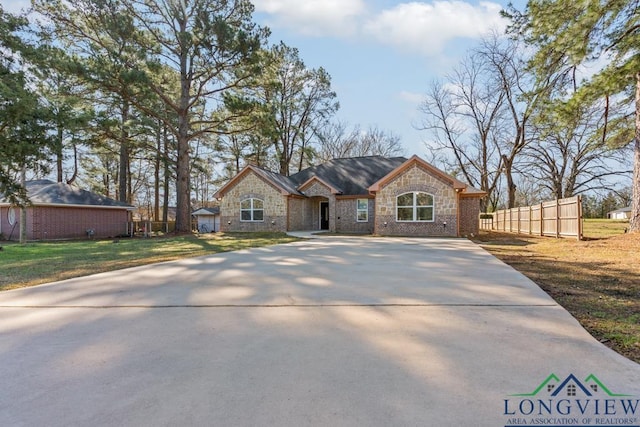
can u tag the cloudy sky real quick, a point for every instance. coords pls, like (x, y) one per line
(381, 54)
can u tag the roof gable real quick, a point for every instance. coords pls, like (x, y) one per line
(313, 179)
(280, 182)
(415, 160)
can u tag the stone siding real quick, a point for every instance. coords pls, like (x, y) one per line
(417, 179)
(252, 186)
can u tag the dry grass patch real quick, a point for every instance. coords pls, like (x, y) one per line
(597, 280)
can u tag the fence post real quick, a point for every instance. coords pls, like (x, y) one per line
(519, 225)
(530, 219)
(541, 219)
(579, 219)
(557, 218)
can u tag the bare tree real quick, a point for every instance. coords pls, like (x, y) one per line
(338, 141)
(463, 118)
(569, 156)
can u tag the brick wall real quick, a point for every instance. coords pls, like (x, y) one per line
(252, 186)
(6, 228)
(59, 222)
(301, 214)
(318, 192)
(417, 179)
(469, 211)
(346, 217)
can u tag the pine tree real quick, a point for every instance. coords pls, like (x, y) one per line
(571, 33)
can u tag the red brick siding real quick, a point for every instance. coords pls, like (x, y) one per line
(57, 222)
(469, 211)
(346, 217)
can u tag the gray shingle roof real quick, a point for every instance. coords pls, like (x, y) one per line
(286, 183)
(350, 176)
(44, 191)
(207, 211)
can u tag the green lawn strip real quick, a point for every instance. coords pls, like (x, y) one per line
(602, 228)
(42, 262)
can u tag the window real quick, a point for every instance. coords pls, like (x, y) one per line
(362, 210)
(571, 390)
(11, 216)
(414, 207)
(252, 210)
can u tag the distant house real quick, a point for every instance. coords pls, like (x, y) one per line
(385, 196)
(208, 219)
(61, 211)
(623, 213)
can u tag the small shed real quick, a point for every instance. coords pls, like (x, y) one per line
(623, 213)
(208, 219)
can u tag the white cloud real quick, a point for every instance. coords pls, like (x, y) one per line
(427, 27)
(314, 17)
(412, 98)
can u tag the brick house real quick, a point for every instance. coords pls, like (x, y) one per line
(61, 211)
(374, 195)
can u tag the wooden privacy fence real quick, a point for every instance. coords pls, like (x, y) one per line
(556, 218)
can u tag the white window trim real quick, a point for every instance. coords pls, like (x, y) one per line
(251, 210)
(366, 211)
(415, 208)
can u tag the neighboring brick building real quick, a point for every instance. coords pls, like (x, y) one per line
(385, 196)
(60, 211)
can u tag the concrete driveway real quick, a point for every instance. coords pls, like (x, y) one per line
(333, 331)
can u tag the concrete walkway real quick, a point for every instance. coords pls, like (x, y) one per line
(357, 331)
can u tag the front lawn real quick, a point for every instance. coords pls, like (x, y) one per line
(41, 262)
(597, 280)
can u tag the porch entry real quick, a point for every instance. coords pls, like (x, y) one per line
(324, 215)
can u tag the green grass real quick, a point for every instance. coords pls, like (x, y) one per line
(602, 228)
(42, 262)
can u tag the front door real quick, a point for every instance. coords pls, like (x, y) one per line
(324, 215)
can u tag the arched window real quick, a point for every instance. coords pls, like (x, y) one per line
(415, 206)
(252, 210)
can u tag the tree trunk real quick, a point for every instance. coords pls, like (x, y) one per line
(23, 208)
(167, 176)
(511, 186)
(71, 180)
(634, 222)
(156, 174)
(183, 167)
(123, 167)
(59, 159)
